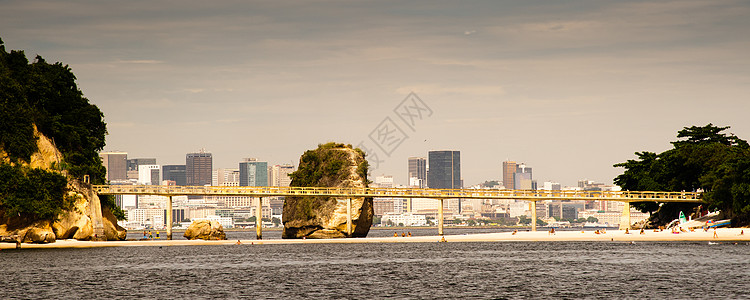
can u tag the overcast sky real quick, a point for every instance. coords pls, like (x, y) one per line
(568, 87)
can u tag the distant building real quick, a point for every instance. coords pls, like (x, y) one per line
(551, 186)
(225, 177)
(133, 164)
(253, 172)
(198, 168)
(174, 173)
(522, 179)
(445, 170)
(383, 181)
(509, 171)
(404, 219)
(116, 165)
(279, 175)
(149, 174)
(417, 172)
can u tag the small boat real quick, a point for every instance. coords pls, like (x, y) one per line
(712, 224)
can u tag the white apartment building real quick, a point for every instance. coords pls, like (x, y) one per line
(146, 217)
(407, 219)
(149, 174)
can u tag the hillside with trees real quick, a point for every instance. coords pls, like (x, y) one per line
(45, 96)
(702, 159)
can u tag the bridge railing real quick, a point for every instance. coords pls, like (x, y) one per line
(529, 195)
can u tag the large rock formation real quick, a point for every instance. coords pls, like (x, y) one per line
(331, 165)
(76, 222)
(205, 230)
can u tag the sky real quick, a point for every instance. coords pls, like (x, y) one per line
(567, 87)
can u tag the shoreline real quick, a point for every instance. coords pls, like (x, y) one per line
(723, 235)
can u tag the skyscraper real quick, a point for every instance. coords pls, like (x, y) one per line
(149, 174)
(280, 175)
(253, 172)
(198, 167)
(116, 165)
(135, 162)
(175, 173)
(417, 172)
(445, 170)
(522, 179)
(509, 170)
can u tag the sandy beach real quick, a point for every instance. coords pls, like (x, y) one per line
(722, 235)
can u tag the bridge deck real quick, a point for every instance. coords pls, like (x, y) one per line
(528, 195)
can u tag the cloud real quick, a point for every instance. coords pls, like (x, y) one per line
(140, 61)
(435, 89)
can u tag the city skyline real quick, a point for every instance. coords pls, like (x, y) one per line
(570, 89)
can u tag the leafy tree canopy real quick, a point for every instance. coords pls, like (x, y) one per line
(703, 159)
(46, 95)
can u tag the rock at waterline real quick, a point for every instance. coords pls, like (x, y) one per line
(330, 165)
(205, 230)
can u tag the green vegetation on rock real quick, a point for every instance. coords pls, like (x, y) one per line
(36, 193)
(322, 168)
(705, 159)
(46, 96)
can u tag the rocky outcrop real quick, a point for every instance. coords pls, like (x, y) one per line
(112, 231)
(331, 165)
(74, 223)
(78, 222)
(205, 230)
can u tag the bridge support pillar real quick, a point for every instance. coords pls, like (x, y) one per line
(259, 219)
(533, 215)
(440, 217)
(349, 217)
(625, 219)
(169, 218)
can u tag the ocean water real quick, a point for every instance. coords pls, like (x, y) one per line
(499, 270)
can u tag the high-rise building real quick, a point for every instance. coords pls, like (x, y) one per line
(198, 167)
(174, 173)
(253, 172)
(279, 175)
(116, 165)
(522, 179)
(134, 163)
(509, 170)
(445, 170)
(149, 174)
(417, 172)
(226, 177)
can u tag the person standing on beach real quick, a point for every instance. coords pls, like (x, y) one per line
(716, 236)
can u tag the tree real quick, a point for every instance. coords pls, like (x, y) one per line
(524, 220)
(276, 221)
(539, 222)
(703, 158)
(591, 220)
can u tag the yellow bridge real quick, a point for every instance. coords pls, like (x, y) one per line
(439, 194)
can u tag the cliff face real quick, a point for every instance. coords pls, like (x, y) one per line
(85, 220)
(331, 165)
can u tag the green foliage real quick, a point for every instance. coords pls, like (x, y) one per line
(46, 95)
(705, 159)
(324, 166)
(33, 192)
